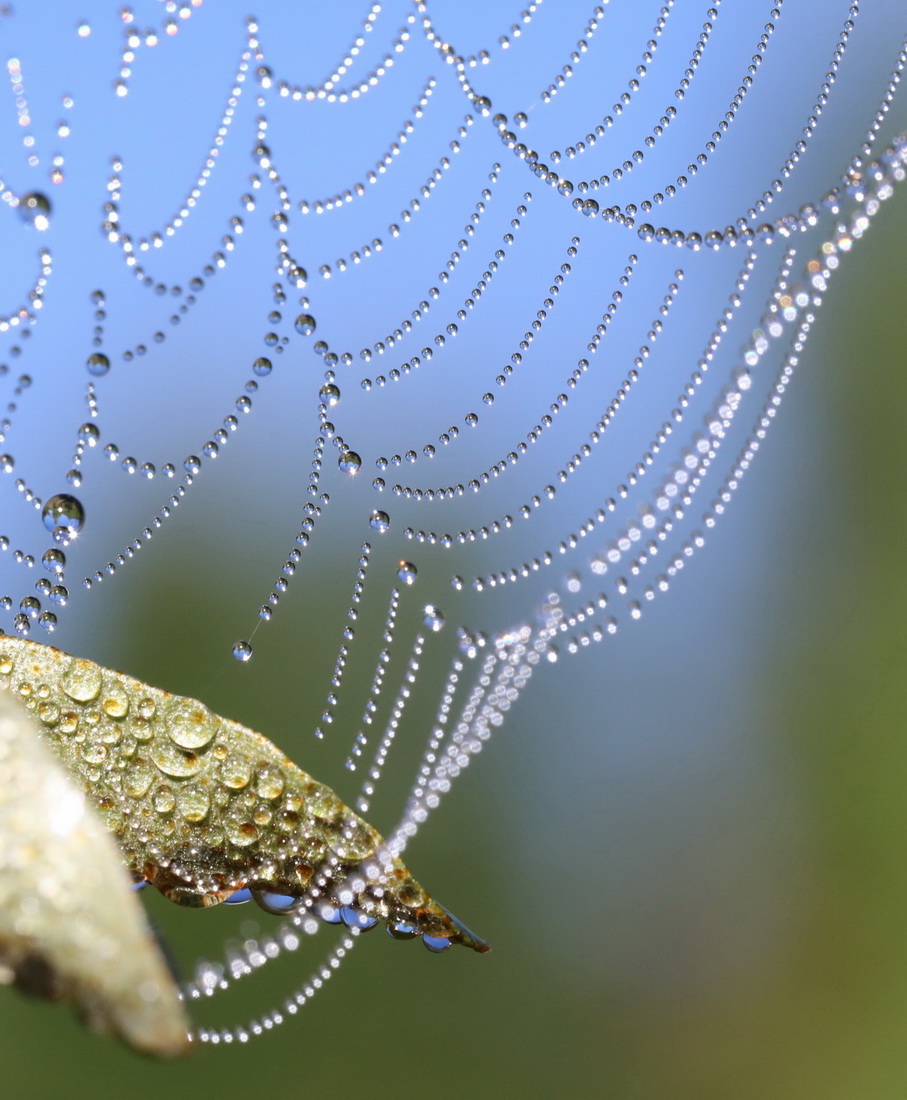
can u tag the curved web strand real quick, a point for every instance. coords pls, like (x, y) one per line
(383, 164)
(157, 238)
(660, 441)
(328, 91)
(632, 84)
(549, 492)
(448, 437)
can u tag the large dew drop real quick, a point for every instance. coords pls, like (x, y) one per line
(379, 521)
(349, 462)
(98, 364)
(63, 513)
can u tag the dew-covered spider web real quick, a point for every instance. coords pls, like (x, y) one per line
(359, 362)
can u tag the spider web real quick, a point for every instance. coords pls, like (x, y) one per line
(451, 289)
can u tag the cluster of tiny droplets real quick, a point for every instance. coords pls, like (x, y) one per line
(622, 170)
(682, 482)
(33, 206)
(157, 238)
(258, 1027)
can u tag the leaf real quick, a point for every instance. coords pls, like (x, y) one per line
(70, 925)
(202, 807)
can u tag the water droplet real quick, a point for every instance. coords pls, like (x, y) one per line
(270, 782)
(89, 434)
(305, 324)
(192, 464)
(193, 803)
(189, 724)
(433, 617)
(402, 929)
(241, 897)
(115, 703)
(63, 511)
(407, 572)
(98, 364)
(235, 772)
(82, 681)
(53, 561)
(355, 918)
(59, 595)
(172, 760)
(437, 944)
(242, 651)
(278, 904)
(349, 462)
(262, 367)
(7, 463)
(164, 799)
(379, 521)
(138, 778)
(240, 832)
(329, 394)
(34, 209)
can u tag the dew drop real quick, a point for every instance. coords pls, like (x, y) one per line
(329, 394)
(241, 897)
(433, 617)
(240, 832)
(407, 572)
(349, 462)
(242, 651)
(379, 521)
(7, 463)
(305, 324)
(63, 511)
(193, 803)
(53, 561)
(172, 760)
(278, 904)
(190, 725)
(402, 929)
(262, 367)
(82, 681)
(137, 779)
(98, 364)
(34, 209)
(437, 944)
